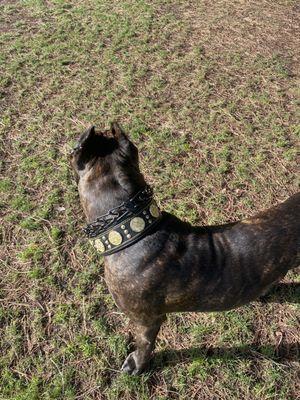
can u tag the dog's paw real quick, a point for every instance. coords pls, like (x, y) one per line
(131, 365)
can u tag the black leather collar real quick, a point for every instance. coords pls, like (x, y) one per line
(125, 224)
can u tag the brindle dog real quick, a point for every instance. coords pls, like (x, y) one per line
(179, 267)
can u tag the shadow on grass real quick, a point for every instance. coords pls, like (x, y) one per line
(280, 353)
(283, 293)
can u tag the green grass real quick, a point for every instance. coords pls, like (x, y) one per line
(209, 92)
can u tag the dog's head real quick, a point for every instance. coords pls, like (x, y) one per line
(106, 165)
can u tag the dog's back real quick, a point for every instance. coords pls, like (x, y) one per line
(222, 267)
(258, 251)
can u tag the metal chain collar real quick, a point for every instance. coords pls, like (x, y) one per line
(127, 208)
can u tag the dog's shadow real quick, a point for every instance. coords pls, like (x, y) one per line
(281, 293)
(281, 353)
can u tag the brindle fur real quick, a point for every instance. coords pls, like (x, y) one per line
(179, 267)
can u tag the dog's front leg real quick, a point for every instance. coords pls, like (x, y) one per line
(145, 336)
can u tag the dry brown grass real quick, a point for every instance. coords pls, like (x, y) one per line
(210, 93)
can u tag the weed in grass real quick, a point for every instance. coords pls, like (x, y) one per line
(33, 252)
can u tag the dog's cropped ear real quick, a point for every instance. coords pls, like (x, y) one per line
(121, 137)
(88, 135)
(118, 132)
(84, 140)
(116, 129)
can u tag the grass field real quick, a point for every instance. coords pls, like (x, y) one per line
(209, 90)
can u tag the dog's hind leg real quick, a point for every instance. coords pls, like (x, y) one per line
(145, 337)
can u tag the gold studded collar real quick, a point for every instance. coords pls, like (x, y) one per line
(131, 221)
